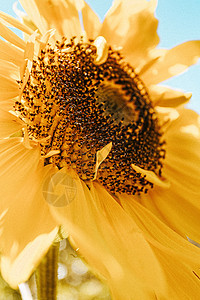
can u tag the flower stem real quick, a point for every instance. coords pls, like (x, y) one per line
(46, 275)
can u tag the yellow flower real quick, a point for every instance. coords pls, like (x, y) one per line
(97, 146)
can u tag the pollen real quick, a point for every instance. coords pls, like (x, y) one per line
(75, 106)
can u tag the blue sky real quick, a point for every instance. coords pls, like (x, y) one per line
(179, 21)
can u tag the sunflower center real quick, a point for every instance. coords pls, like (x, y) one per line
(75, 107)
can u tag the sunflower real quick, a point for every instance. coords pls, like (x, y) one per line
(90, 142)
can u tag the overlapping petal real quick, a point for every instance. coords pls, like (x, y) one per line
(9, 124)
(11, 21)
(128, 239)
(172, 62)
(94, 221)
(179, 259)
(25, 218)
(11, 37)
(11, 53)
(167, 97)
(19, 269)
(133, 29)
(9, 70)
(178, 206)
(126, 244)
(91, 22)
(8, 88)
(60, 15)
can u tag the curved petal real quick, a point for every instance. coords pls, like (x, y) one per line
(179, 205)
(172, 62)
(91, 22)
(9, 124)
(8, 88)
(166, 116)
(9, 20)
(24, 214)
(11, 37)
(60, 15)
(142, 39)
(11, 53)
(18, 270)
(9, 70)
(34, 13)
(151, 177)
(7, 105)
(179, 259)
(164, 96)
(28, 60)
(24, 18)
(132, 25)
(111, 242)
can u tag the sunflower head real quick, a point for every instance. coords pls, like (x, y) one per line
(75, 103)
(93, 124)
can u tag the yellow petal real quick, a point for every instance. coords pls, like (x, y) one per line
(11, 37)
(24, 18)
(78, 4)
(111, 242)
(7, 105)
(164, 96)
(8, 69)
(29, 50)
(141, 38)
(132, 25)
(179, 205)
(61, 15)
(177, 256)
(9, 124)
(182, 281)
(18, 270)
(91, 22)
(34, 13)
(28, 61)
(151, 177)
(102, 50)
(101, 156)
(45, 39)
(14, 22)
(158, 234)
(166, 116)
(11, 53)
(148, 63)
(8, 88)
(173, 62)
(25, 216)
